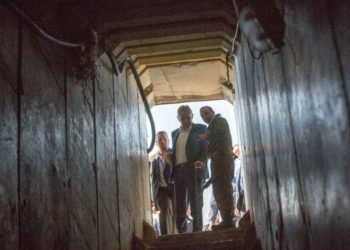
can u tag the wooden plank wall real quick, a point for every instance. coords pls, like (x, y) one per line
(43, 211)
(294, 115)
(74, 172)
(9, 92)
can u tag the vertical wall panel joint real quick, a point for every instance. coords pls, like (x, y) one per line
(95, 167)
(19, 125)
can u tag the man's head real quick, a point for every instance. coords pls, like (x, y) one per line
(162, 140)
(185, 116)
(207, 114)
(236, 150)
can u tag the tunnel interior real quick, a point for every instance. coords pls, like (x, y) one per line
(74, 171)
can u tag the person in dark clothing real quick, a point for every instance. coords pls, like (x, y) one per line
(162, 188)
(189, 165)
(220, 152)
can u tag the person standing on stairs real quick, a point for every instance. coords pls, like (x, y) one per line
(240, 202)
(189, 161)
(162, 188)
(220, 153)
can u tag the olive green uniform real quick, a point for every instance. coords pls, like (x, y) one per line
(222, 168)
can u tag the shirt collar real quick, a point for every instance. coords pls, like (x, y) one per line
(186, 130)
(213, 118)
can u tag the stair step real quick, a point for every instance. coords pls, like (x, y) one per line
(227, 234)
(228, 239)
(224, 239)
(219, 240)
(222, 245)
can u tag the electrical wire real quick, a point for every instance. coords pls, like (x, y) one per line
(145, 102)
(43, 34)
(234, 39)
(249, 46)
(236, 8)
(139, 86)
(112, 58)
(13, 8)
(227, 68)
(252, 52)
(229, 54)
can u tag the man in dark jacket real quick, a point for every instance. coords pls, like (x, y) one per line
(162, 188)
(220, 152)
(189, 166)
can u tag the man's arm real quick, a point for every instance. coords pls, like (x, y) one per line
(173, 135)
(202, 145)
(218, 130)
(154, 182)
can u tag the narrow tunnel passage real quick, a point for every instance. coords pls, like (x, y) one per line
(73, 145)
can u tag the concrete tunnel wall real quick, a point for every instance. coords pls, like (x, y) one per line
(293, 110)
(74, 169)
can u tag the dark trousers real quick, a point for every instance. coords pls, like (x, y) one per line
(222, 174)
(189, 190)
(165, 207)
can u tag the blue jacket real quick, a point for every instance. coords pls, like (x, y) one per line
(195, 148)
(155, 174)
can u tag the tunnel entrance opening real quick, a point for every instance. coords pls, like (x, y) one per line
(74, 169)
(165, 118)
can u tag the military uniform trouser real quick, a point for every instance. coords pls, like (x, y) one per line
(222, 170)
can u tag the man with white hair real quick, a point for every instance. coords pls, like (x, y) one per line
(189, 166)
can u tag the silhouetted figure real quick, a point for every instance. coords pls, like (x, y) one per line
(220, 152)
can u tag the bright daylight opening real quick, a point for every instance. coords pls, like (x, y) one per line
(165, 119)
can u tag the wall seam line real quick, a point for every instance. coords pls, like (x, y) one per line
(263, 153)
(95, 168)
(301, 194)
(281, 223)
(244, 59)
(116, 158)
(338, 57)
(67, 174)
(19, 124)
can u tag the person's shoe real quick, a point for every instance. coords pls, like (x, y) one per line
(222, 225)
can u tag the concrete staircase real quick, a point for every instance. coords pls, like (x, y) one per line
(241, 238)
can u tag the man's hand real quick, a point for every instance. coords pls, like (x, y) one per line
(168, 157)
(198, 164)
(188, 212)
(203, 137)
(237, 212)
(155, 208)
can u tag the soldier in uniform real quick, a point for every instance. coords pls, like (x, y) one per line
(220, 152)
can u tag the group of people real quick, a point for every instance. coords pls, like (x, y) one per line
(179, 173)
